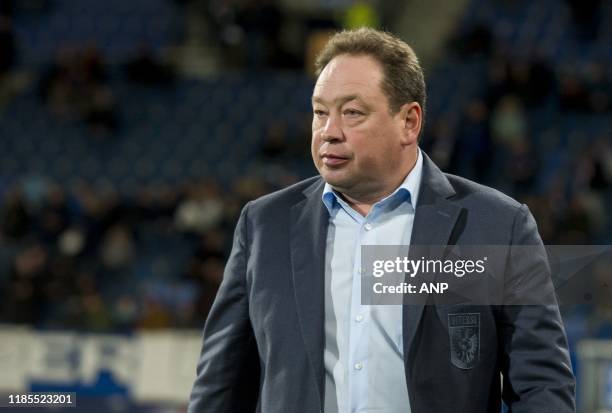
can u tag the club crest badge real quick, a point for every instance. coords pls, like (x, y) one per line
(464, 334)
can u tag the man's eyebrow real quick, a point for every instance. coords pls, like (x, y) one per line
(339, 100)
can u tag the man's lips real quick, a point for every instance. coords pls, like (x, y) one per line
(333, 160)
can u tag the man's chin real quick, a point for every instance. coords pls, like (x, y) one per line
(338, 184)
(341, 179)
(333, 178)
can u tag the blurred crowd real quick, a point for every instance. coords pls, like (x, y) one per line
(79, 258)
(511, 135)
(91, 258)
(74, 87)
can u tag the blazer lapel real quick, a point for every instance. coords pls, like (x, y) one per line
(308, 234)
(434, 220)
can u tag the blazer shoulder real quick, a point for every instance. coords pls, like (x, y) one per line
(484, 196)
(282, 199)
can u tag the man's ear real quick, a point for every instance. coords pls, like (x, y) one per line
(411, 116)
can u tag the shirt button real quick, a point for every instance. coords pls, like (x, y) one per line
(359, 318)
(368, 227)
(358, 366)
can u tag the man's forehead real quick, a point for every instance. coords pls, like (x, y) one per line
(351, 64)
(348, 76)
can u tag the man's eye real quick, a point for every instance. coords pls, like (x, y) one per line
(352, 112)
(318, 112)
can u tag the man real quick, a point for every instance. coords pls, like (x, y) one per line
(287, 331)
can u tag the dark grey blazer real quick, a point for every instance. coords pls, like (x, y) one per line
(263, 340)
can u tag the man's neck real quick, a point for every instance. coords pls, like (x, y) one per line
(363, 203)
(363, 208)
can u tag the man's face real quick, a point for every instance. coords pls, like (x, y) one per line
(358, 146)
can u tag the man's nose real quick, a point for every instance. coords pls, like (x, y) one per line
(332, 130)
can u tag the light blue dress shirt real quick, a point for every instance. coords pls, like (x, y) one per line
(364, 360)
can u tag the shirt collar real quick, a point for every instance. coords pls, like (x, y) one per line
(410, 186)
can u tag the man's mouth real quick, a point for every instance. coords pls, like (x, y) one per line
(333, 160)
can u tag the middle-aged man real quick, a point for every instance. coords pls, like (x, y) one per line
(288, 332)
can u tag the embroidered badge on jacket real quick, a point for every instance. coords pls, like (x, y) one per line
(464, 333)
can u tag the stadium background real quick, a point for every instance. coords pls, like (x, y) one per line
(132, 132)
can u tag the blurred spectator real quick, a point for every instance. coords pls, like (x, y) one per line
(473, 151)
(599, 87)
(247, 188)
(30, 6)
(586, 17)
(206, 269)
(24, 299)
(59, 292)
(577, 224)
(154, 315)
(573, 96)
(117, 249)
(508, 122)
(54, 214)
(96, 314)
(260, 21)
(74, 87)
(55, 85)
(249, 32)
(521, 167)
(594, 167)
(93, 312)
(7, 8)
(154, 202)
(275, 144)
(16, 220)
(439, 142)
(92, 66)
(145, 69)
(125, 313)
(71, 242)
(537, 84)
(601, 319)
(101, 112)
(201, 210)
(8, 48)
(476, 41)
(210, 275)
(543, 212)
(532, 81)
